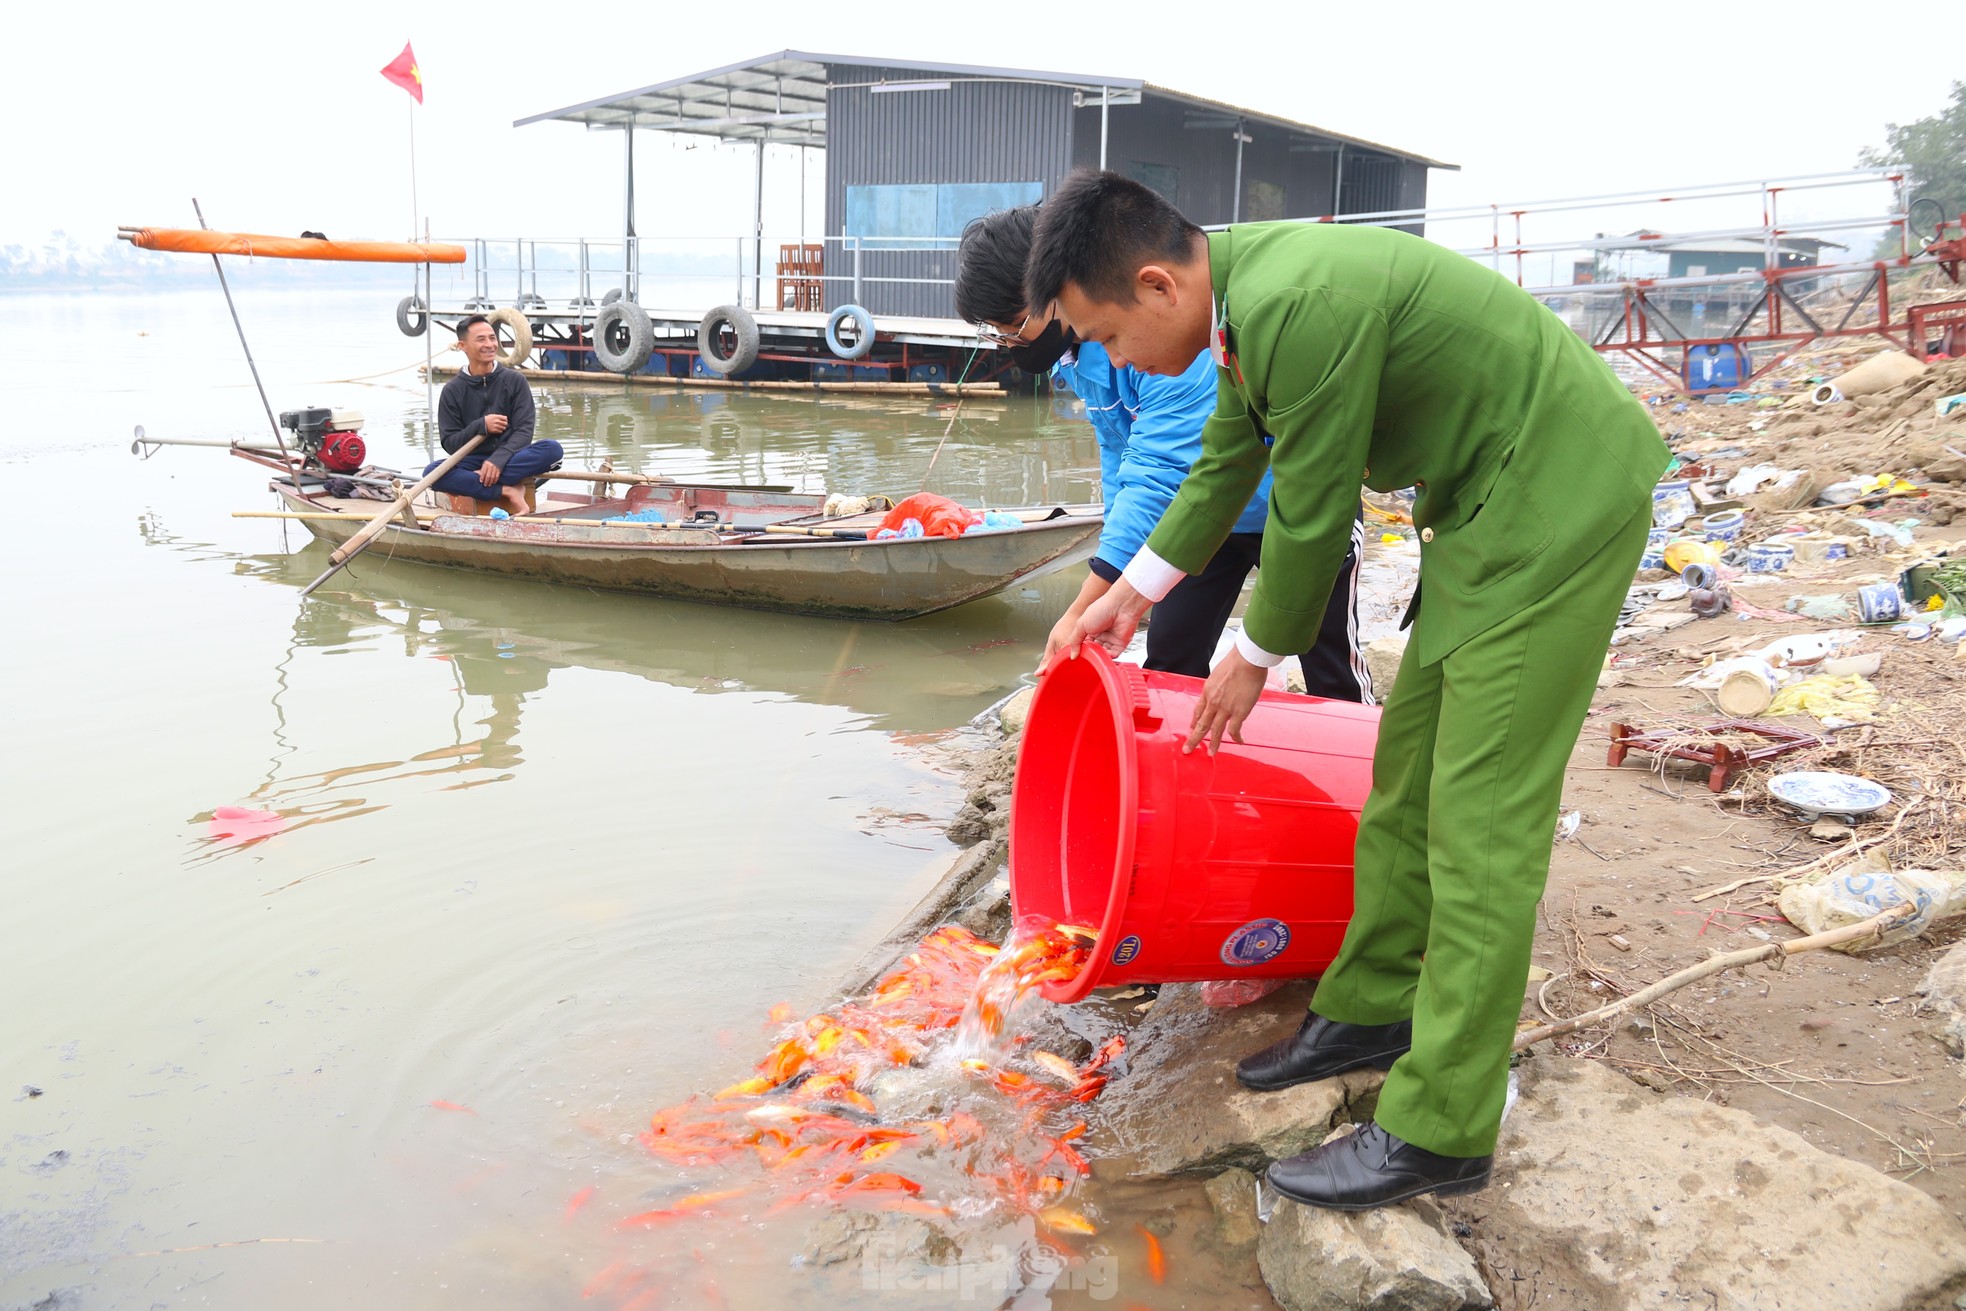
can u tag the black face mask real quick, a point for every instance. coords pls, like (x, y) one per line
(1047, 350)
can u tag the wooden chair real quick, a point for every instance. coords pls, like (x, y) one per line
(800, 270)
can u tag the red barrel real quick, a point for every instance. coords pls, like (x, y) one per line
(1192, 866)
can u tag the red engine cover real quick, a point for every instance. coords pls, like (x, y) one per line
(344, 452)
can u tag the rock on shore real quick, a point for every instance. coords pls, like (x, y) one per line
(1609, 1196)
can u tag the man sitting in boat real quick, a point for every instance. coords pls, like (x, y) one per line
(486, 397)
(1149, 429)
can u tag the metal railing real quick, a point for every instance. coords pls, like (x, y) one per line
(573, 275)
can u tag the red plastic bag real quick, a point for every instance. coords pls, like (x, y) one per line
(940, 516)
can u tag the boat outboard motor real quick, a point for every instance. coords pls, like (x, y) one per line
(328, 437)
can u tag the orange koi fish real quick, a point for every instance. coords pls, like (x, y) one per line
(1156, 1259)
(1066, 1221)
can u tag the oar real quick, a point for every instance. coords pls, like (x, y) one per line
(349, 549)
(656, 479)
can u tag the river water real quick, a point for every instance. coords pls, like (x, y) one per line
(551, 855)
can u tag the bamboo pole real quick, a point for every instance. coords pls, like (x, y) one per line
(1875, 926)
(349, 549)
(295, 514)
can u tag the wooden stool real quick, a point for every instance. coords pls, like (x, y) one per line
(473, 506)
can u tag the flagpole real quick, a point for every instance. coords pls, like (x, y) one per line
(416, 210)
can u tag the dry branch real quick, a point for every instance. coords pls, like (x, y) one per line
(1875, 926)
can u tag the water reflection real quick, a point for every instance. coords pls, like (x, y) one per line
(504, 638)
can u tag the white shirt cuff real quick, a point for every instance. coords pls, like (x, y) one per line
(1151, 576)
(1255, 654)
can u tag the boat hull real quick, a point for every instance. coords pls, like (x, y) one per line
(884, 580)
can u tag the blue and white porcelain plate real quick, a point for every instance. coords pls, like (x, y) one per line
(1818, 793)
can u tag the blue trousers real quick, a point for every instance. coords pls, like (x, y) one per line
(530, 462)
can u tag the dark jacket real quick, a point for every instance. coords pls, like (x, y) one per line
(467, 399)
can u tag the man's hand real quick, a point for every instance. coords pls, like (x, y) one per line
(1226, 700)
(488, 473)
(496, 423)
(1111, 619)
(1065, 633)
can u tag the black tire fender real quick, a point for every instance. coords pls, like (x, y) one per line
(709, 341)
(623, 337)
(412, 316)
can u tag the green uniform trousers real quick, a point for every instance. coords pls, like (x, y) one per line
(1454, 843)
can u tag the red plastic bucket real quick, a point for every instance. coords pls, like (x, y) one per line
(1192, 866)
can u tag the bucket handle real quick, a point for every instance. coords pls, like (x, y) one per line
(1134, 680)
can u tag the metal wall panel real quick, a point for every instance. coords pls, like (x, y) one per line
(972, 132)
(1284, 174)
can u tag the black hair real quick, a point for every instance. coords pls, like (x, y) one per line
(990, 266)
(1096, 231)
(465, 326)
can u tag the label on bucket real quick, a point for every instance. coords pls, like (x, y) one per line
(1256, 942)
(1127, 949)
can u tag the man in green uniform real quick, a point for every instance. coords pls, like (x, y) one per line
(1349, 354)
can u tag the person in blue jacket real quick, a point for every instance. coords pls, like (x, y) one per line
(1149, 429)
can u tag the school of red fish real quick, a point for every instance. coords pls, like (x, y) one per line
(806, 1129)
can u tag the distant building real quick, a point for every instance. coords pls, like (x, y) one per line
(915, 151)
(1712, 258)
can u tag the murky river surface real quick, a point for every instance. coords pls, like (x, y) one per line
(553, 855)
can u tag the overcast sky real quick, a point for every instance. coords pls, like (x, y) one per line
(277, 119)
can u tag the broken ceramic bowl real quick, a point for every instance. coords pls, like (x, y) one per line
(1817, 793)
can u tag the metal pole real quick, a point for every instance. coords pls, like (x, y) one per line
(270, 422)
(758, 232)
(740, 271)
(857, 299)
(630, 283)
(1235, 202)
(1105, 100)
(429, 327)
(1338, 184)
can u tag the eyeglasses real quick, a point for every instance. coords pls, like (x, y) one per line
(998, 337)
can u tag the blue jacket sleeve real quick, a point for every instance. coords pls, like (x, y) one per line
(1161, 445)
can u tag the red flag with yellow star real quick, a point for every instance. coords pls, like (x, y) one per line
(402, 70)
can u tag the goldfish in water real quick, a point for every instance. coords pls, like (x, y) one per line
(1066, 1221)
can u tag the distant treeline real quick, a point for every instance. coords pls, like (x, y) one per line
(62, 263)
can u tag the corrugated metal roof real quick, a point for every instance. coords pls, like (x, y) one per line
(778, 97)
(781, 97)
(1291, 125)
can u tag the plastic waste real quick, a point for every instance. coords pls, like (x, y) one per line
(934, 516)
(233, 826)
(1855, 895)
(908, 528)
(994, 521)
(1224, 993)
(1837, 702)
(498, 512)
(642, 516)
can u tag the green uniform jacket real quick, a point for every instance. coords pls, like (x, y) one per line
(1370, 355)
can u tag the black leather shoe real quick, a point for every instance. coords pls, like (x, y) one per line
(1370, 1168)
(1321, 1049)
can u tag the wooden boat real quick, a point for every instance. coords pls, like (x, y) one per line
(759, 548)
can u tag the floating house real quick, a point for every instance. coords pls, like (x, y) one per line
(913, 152)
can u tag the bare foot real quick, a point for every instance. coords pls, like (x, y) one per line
(513, 499)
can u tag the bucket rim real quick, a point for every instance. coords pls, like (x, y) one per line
(1123, 686)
